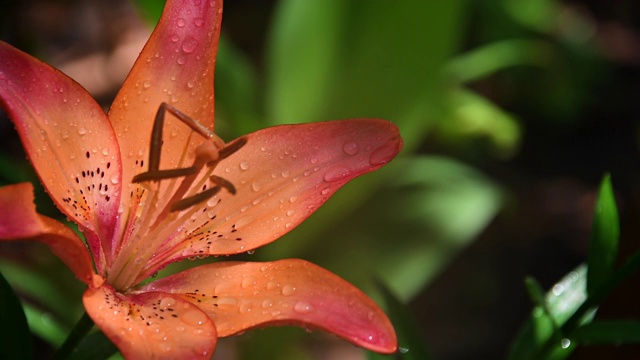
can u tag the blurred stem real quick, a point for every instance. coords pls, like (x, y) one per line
(79, 331)
(600, 294)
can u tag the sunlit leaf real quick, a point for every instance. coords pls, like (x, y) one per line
(341, 59)
(605, 232)
(44, 325)
(488, 59)
(562, 301)
(14, 331)
(474, 117)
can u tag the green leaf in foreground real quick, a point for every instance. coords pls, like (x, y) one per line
(94, 346)
(14, 332)
(604, 237)
(561, 302)
(410, 344)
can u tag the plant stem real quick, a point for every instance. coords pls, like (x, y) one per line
(79, 331)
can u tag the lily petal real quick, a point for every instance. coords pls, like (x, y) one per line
(282, 175)
(239, 296)
(176, 66)
(68, 139)
(151, 325)
(20, 221)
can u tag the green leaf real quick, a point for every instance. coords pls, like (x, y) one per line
(561, 302)
(337, 59)
(410, 345)
(605, 233)
(14, 331)
(94, 346)
(488, 59)
(236, 101)
(150, 9)
(608, 332)
(44, 325)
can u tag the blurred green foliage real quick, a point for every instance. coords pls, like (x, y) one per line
(413, 63)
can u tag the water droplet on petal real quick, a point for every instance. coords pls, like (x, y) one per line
(336, 174)
(325, 191)
(302, 307)
(181, 22)
(146, 84)
(350, 148)
(198, 22)
(244, 165)
(82, 130)
(383, 154)
(189, 44)
(288, 290)
(256, 186)
(248, 282)
(194, 317)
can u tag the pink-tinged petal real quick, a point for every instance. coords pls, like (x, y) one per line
(68, 139)
(239, 296)
(176, 66)
(20, 221)
(151, 325)
(282, 175)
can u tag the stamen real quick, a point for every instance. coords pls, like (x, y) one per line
(231, 148)
(195, 199)
(223, 183)
(164, 174)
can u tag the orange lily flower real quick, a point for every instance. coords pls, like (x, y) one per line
(143, 202)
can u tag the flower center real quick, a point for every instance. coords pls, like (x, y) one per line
(155, 223)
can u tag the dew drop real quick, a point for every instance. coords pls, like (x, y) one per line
(227, 301)
(198, 22)
(293, 199)
(245, 308)
(174, 38)
(285, 173)
(146, 84)
(302, 307)
(267, 303)
(336, 174)
(105, 151)
(189, 44)
(288, 290)
(181, 22)
(82, 130)
(181, 60)
(350, 148)
(290, 212)
(115, 179)
(256, 186)
(325, 191)
(272, 285)
(165, 346)
(244, 165)
(383, 154)
(194, 317)
(248, 282)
